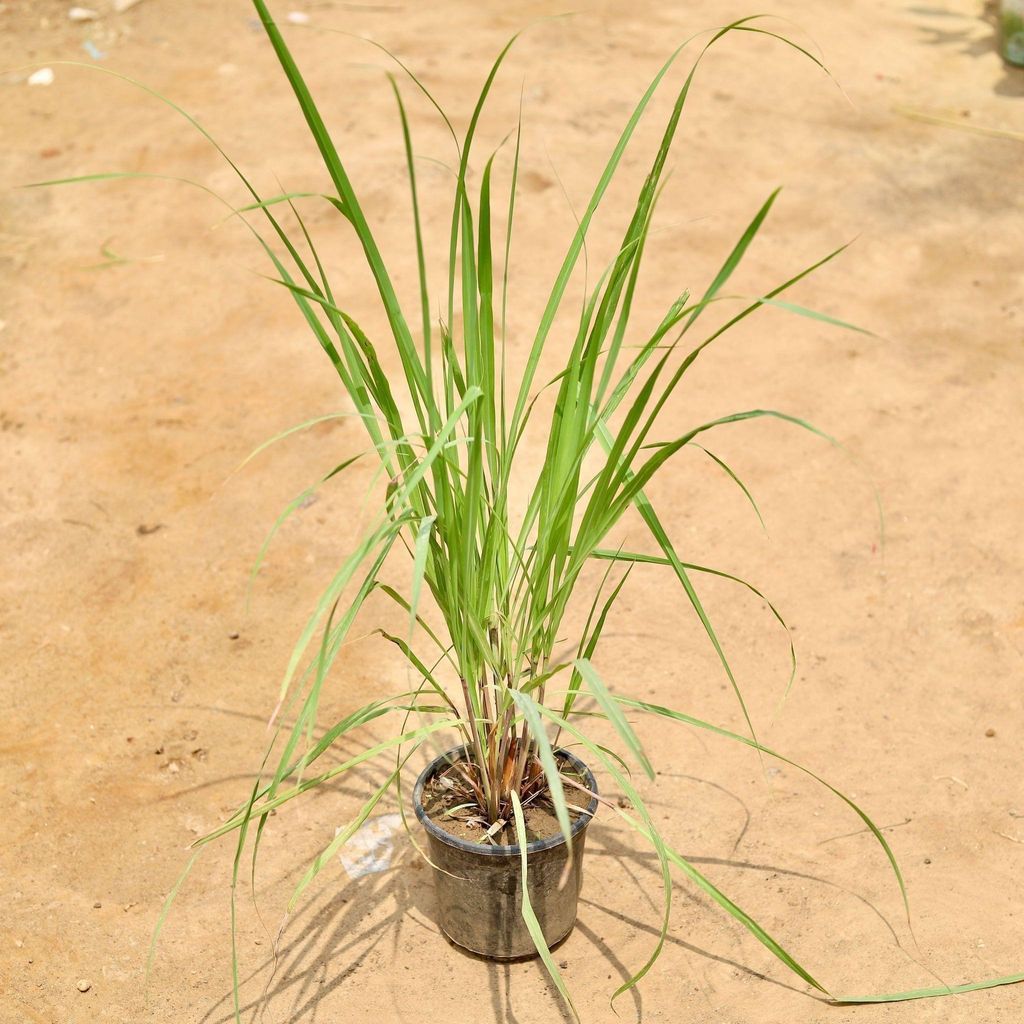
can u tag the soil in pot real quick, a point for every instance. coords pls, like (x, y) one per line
(444, 800)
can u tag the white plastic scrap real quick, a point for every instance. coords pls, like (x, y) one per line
(44, 76)
(370, 850)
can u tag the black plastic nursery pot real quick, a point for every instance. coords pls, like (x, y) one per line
(479, 886)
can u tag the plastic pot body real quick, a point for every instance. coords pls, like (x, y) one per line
(1011, 31)
(479, 886)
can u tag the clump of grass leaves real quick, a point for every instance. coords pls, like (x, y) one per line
(501, 566)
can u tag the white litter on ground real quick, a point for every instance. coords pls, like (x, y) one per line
(370, 850)
(44, 76)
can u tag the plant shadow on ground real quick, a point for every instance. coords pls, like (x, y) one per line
(961, 31)
(374, 920)
(329, 939)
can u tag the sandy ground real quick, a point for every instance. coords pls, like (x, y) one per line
(137, 685)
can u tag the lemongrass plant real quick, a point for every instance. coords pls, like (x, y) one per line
(500, 565)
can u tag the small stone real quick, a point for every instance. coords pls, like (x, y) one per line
(84, 986)
(97, 905)
(159, 750)
(44, 76)
(82, 14)
(990, 733)
(563, 965)
(233, 636)
(927, 860)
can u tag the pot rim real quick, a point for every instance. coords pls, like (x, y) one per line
(581, 822)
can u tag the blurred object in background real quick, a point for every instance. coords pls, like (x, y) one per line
(1011, 31)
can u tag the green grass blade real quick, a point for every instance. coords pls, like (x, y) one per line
(529, 916)
(591, 637)
(739, 483)
(611, 708)
(634, 558)
(411, 364)
(813, 314)
(734, 258)
(735, 911)
(421, 264)
(271, 803)
(344, 836)
(650, 517)
(528, 707)
(165, 909)
(717, 730)
(928, 993)
(623, 781)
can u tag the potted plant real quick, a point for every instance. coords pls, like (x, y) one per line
(505, 811)
(495, 563)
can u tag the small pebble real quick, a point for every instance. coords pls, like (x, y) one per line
(84, 986)
(990, 733)
(82, 14)
(233, 636)
(97, 905)
(44, 76)
(927, 860)
(298, 17)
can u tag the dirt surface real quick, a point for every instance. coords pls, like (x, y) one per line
(142, 357)
(446, 796)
